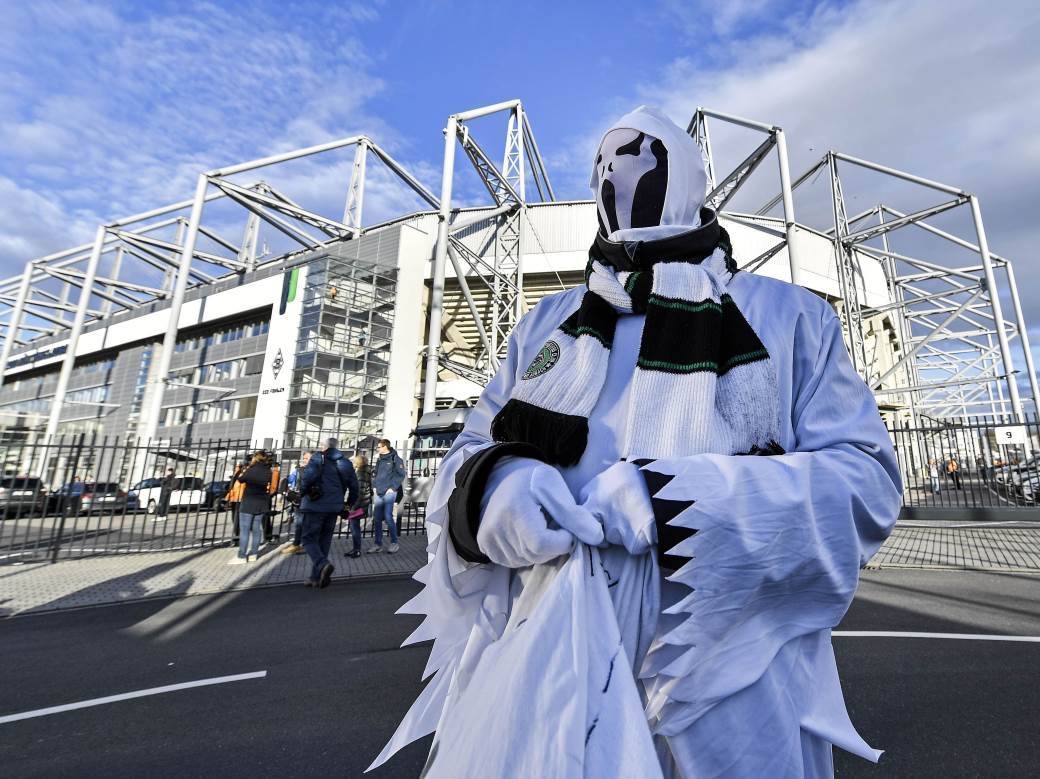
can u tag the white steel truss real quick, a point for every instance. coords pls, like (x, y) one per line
(946, 316)
(505, 277)
(192, 256)
(944, 312)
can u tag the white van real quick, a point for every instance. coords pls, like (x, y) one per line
(187, 492)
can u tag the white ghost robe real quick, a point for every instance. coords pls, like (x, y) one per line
(740, 678)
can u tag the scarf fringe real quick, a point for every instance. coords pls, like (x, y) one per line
(561, 437)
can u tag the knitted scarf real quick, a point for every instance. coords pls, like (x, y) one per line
(703, 380)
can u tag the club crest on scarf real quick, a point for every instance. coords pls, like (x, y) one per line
(547, 358)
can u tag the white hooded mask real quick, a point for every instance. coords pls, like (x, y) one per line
(648, 178)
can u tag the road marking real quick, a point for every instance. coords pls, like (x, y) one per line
(956, 636)
(128, 695)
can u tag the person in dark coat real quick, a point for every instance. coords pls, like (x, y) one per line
(359, 508)
(327, 485)
(292, 500)
(165, 492)
(256, 503)
(389, 478)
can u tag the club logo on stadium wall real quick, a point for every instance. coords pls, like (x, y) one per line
(544, 362)
(277, 363)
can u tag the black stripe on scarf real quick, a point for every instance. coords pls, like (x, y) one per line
(595, 317)
(683, 337)
(561, 438)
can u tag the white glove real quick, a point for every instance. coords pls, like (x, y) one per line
(619, 499)
(521, 498)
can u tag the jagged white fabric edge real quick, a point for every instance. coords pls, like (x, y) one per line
(459, 600)
(727, 623)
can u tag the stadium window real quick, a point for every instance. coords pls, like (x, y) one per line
(246, 407)
(254, 364)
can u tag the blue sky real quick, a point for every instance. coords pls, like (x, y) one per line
(109, 108)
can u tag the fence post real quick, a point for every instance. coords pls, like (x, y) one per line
(63, 499)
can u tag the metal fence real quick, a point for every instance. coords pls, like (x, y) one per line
(80, 496)
(84, 495)
(971, 463)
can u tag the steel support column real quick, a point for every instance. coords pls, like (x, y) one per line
(998, 313)
(69, 360)
(352, 210)
(788, 199)
(16, 318)
(117, 265)
(1023, 334)
(150, 417)
(250, 236)
(440, 255)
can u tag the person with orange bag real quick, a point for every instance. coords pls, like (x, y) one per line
(233, 498)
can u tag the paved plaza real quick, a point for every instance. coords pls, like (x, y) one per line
(36, 587)
(962, 546)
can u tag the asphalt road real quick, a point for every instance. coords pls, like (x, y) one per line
(337, 685)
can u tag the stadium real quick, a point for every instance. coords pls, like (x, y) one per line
(241, 314)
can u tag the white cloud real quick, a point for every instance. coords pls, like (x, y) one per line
(108, 112)
(946, 91)
(29, 220)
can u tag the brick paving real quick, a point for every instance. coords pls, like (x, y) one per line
(963, 546)
(38, 587)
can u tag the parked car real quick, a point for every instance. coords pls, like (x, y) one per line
(86, 497)
(215, 492)
(187, 492)
(1012, 473)
(1029, 488)
(22, 496)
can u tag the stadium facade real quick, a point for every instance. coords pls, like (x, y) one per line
(162, 328)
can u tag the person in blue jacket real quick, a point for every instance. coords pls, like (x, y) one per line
(387, 483)
(327, 484)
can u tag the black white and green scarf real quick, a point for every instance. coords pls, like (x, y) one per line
(703, 380)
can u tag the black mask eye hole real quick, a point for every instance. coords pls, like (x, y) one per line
(632, 147)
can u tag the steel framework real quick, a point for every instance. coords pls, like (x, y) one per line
(505, 277)
(34, 308)
(945, 314)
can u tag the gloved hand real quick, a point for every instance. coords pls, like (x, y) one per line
(619, 499)
(522, 498)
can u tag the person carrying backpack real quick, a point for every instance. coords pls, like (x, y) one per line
(328, 482)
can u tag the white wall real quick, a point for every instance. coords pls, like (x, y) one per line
(272, 402)
(409, 325)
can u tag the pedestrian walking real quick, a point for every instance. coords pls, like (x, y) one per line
(389, 476)
(256, 503)
(165, 493)
(360, 507)
(233, 498)
(953, 468)
(328, 483)
(933, 475)
(268, 521)
(292, 500)
(983, 468)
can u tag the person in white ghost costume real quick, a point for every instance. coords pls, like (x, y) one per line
(655, 514)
